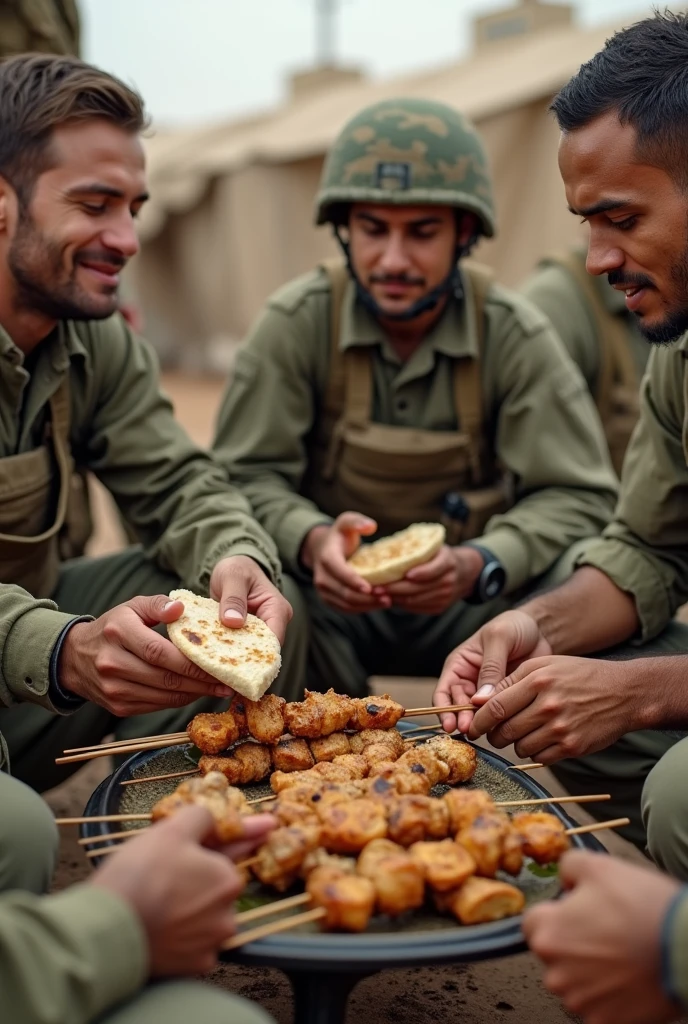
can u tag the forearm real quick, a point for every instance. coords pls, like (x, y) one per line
(69, 957)
(586, 614)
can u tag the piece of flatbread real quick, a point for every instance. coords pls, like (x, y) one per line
(247, 659)
(389, 559)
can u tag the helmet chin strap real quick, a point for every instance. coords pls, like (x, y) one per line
(451, 285)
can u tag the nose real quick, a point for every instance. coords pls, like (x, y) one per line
(120, 235)
(394, 259)
(602, 258)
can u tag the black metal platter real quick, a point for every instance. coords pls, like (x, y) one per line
(324, 967)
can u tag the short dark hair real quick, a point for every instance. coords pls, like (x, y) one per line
(39, 93)
(642, 74)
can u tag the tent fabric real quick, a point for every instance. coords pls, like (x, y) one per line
(231, 214)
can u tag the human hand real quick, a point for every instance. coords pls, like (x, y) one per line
(181, 892)
(431, 588)
(241, 586)
(120, 663)
(601, 943)
(483, 660)
(557, 706)
(325, 551)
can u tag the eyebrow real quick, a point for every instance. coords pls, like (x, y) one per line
(604, 206)
(98, 189)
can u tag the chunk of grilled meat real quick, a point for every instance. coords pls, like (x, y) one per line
(390, 737)
(348, 899)
(280, 857)
(348, 827)
(212, 733)
(480, 900)
(465, 805)
(328, 747)
(292, 755)
(445, 865)
(412, 818)
(248, 762)
(493, 843)
(542, 834)
(461, 757)
(397, 877)
(437, 770)
(319, 714)
(265, 717)
(375, 712)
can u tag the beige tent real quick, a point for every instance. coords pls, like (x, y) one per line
(231, 213)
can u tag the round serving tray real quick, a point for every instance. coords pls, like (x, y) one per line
(419, 938)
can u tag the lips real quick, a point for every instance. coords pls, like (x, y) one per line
(634, 298)
(107, 273)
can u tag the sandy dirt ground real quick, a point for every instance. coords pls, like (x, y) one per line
(506, 990)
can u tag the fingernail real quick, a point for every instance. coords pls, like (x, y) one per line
(233, 615)
(221, 691)
(169, 605)
(485, 691)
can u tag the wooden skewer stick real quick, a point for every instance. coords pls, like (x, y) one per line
(113, 744)
(262, 799)
(525, 767)
(107, 836)
(248, 863)
(273, 928)
(158, 778)
(423, 728)
(438, 711)
(101, 851)
(102, 817)
(598, 826)
(273, 908)
(108, 751)
(593, 798)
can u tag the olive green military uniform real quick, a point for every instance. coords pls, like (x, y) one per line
(92, 400)
(80, 956)
(39, 26)
(601, 335)
(645, 552)
(321, 415)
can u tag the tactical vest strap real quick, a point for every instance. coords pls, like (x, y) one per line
(616, 360)
(350, 382)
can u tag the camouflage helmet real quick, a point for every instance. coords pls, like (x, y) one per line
(408, 152)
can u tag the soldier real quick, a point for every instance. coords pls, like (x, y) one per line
(160, 908)
(39, 26)
(601, 336)
(76, 387)
(403, 385)
(616, 724)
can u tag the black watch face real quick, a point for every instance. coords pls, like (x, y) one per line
(493, 582)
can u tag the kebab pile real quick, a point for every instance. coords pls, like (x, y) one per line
(363, 846)
(335, 737)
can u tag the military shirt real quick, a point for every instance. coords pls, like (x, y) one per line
(175, 497)
(553, 290)
(39, 26)
(68, 957)
(540, 418)
(644, 550)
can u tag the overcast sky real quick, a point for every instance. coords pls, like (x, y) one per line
(200, 60)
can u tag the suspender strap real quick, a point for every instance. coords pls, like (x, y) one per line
(616, 360)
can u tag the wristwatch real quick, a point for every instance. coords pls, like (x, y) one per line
(492, 579)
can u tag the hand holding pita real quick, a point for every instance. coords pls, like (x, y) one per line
(119, 662)
(326, 550)
(241, 586)
(431, 588)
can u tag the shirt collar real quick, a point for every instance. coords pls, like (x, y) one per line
(61, 345)
(455, 334)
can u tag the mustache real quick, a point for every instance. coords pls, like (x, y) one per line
(396, 279)
(107, 256)
(627, 280)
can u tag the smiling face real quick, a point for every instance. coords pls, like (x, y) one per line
(638, 220)
(65, 248)
(400, 253)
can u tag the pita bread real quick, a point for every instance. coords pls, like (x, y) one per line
(247, 659)
(389, 559)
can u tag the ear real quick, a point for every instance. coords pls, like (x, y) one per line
(8, 205)
(468, 227)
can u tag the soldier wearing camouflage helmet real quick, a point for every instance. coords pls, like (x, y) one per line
(400, 384)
